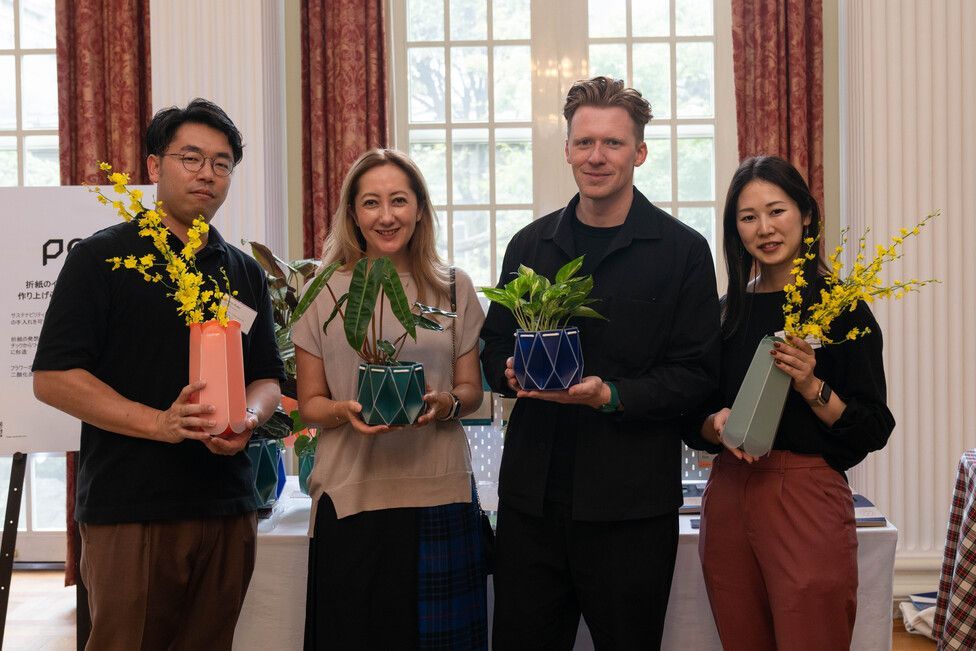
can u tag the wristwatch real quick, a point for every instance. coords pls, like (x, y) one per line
(823, 394)
(613, 403)
(455, 408)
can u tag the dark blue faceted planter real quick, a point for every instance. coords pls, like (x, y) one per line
(548, 360)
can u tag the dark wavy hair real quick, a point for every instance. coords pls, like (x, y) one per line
(164, 124)
(739, 262)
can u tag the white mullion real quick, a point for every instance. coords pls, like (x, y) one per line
(18, 99)
(448, 133)
(490, 83)
(629, 40)
(672, 21)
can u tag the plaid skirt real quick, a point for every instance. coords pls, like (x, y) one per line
(451, 578)
(406, 578)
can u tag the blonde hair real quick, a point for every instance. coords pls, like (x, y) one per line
(605, 92)
(345, 241)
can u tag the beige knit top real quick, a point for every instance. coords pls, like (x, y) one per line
(407, 467)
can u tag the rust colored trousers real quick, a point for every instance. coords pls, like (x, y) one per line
(171, 585)
(778, 547)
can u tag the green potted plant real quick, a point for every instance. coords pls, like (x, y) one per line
(291, 295)
(548, 356)
(391, 391)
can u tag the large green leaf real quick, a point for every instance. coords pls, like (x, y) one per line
(393, 289)
(569, 269)
(313, 291)
(427, 324)
(500, 296)
(364, 287)
(270, 263)
(430, 309)
(335, 310)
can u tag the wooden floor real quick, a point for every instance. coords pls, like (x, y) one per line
(41, 616)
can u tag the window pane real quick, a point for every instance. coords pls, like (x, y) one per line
(693, 17)
(41, 163)
(511, 19)
(607, 18)
(469, 19)
(48, 492)
(702, 220)
(425, 20)
(6, 25)
(696, 163)
(426, 87)
(470, 169)
(8, 99)
(513, 166)
(609, 60)
(8, 165)
(472, 250)
(513, 83)
(652, 76)
(650, 18)
(653, 178)
(429, 151)
(469, 84)
(39, 96)
(507, 224)
(695, 70)
(37, 24)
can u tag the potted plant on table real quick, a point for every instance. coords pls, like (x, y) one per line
(293, 286)
(758, 406)
(391, 391)
(548, 356)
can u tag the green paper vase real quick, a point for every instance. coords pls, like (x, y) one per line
(391, 395)
(758, 406)
(263, 454)
(305, 463)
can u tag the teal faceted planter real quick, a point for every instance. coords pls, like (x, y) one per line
(758, 405)
(305, 463)
(391, 395)
(264, 454)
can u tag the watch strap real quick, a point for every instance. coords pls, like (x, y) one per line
(613, 403)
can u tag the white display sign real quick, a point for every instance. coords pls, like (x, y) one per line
(41, 225)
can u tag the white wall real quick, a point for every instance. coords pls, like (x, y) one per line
(908, 145)
(231, 52)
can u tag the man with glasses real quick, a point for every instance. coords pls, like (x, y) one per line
(166, 512)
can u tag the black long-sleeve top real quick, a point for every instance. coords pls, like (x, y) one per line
(655, 283)
(853, 369)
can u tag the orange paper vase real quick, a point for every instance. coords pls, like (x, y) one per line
(217, 358)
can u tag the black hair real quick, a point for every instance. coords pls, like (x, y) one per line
(738, 260)
(164, 124)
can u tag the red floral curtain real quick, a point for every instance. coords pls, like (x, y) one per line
(343, 101)
(104, 105)
(778, 60)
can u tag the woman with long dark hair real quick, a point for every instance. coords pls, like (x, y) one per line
(778, 543)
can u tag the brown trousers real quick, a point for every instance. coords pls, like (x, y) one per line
(778, 547)
(167, 586)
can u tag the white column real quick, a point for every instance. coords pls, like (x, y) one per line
(908, 145)
(231, 52)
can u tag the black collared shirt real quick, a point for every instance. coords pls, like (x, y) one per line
(656, 285)
(127, 333)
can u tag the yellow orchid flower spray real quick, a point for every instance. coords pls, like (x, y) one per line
(177, 270)
(843, 293)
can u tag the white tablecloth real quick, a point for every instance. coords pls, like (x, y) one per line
(274, 611)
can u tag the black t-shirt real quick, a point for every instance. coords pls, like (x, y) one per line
(591, 242)
(127, 333)
(853, 369)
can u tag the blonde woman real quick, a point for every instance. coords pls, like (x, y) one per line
(396, 560)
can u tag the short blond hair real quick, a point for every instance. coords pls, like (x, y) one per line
(605, 92)
(345, 241)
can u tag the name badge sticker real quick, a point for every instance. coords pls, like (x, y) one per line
(240, 312)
